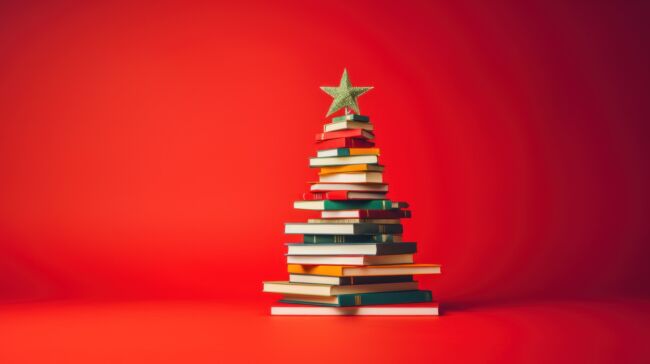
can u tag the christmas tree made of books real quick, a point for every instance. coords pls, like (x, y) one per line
(352, 260)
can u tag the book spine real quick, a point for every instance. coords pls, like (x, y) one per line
(351, 117)
(350, 133)
(344, 143)
(388, 214)
(330, 195)
(400, 248)
(330, 239)
(380, 298)
(358, 205)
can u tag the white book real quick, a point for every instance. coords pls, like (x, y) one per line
(331, 229)
(351, 248)
(348, 124)
(427, 309)
(353, 177)
(343, 161)
(350, 260)
(369, 187)
(310, 289)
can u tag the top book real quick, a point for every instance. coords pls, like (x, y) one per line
(351, 117)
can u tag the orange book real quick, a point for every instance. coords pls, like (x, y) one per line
(372, 270)
(352, 168)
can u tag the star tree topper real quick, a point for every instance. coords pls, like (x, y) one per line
(345, 95)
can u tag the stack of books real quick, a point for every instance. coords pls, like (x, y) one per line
(351, 260)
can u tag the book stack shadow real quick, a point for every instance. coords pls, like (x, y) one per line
(351, 259)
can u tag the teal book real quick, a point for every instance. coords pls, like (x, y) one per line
(348, 205)
(329, 239)
(351, 117)
(361, 299)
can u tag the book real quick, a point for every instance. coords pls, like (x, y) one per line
(341, 229)
(366, 214)
(348, 124)
(354, 221)
(352, 117)
(344, 143)
(346, 152)
(352, 177)
(409, 309)
(345, 205)
(367, 187)
(330, 239)
(344, 281)
(326, 290)
(332, 229)
(353, 249)
(341, 161)
(343, 195)
(351, 168)
(373, 270)
(351, 133)
(358, 299)
(350, 259)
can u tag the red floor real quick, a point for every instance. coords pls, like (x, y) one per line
(217, 332)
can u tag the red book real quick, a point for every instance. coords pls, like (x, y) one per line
(350, 133)
(344, 143)
(343, 195)
(366, 214)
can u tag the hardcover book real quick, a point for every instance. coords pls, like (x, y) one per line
(351, 133)
(344, 281)
(352, 168)
(376, 298)
(329, 239)
(341, 229)
(344, 143)
(344, 125)
(346, 152)
(373, 270)
(345, 205)
(367, 187)
(410, 309)
(352, 249)
(343, 195)
(366, 214)
(354, 221)
(350, 259)
(326, 290)
(352, 177)
(341, 161)
(351, 117)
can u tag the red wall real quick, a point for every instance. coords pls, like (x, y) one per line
(154, 151)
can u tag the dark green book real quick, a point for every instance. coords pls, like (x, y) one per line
(347, 281)
(349, 205)
(351, 117)
(375, 298)
(329, 239)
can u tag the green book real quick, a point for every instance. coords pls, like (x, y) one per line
(329, 239)
(375, 298)
(351, 117)
(347, 205)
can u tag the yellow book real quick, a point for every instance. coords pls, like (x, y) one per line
(371, 270)
(351, 168)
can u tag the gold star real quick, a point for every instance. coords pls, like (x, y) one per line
(345, 95)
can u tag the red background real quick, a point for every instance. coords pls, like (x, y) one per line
(154, 151)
